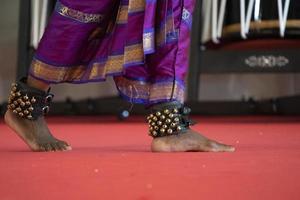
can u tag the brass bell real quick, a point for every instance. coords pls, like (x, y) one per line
(151, 115)
(29, 117)
(159, 123)
(26, 112)
(162, 117)
(166, 111)
(170, 131)
(19, 109)
(149, 121)
(162, 130)
(171, 115)
(15, 112)
(175, 110)
(12, 94)
(16, 103)
(154, 133)
(179, 128)
(23, 104)
(14, 88)
(158, 114)
(176, 119)
(19, 100)
(8, 107)
(165, 126)
(18, 94)
(13, 85)
(21, 114)
(173, 125)
(153, 124)
(12, 106)
(33, 100)
(168, 121)
(30, 108)
(27, 103)
(156, 128)
(155, 119)
(26, 97)
(151, 128)
(148, 117)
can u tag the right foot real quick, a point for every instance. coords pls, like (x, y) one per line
(35, 133)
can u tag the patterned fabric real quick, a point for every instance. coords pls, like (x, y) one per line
(77, 15)
(142, 43)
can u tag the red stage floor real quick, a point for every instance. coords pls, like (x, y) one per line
(112, 161)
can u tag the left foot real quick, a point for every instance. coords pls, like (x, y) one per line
(189, 141)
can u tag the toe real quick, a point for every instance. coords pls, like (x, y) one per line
(62, 142)
(59, 146)
(41, 149)
(56, 147)
(229, 148)
(67, 148)
(64, 145)
(219, 147)
(48, 147)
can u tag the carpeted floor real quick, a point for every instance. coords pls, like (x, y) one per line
(111, 160)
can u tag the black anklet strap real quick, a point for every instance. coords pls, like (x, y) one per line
(168, 119)
(27, 102)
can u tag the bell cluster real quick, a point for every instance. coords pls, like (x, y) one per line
(20, 104)
(162, 123)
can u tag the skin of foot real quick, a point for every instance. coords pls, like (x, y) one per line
(190, 141)
(35, 133)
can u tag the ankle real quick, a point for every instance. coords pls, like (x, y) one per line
(32, 82)
(168, 119)
(29, 101)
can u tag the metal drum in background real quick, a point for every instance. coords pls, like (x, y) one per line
(231, 20)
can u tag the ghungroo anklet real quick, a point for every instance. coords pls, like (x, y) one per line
(28, 102)
(168, 119)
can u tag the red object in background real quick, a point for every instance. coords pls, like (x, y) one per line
(111, 160)
(263, 44)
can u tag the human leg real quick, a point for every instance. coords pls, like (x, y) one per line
(170, 62)
(159, 81)
(72, 30)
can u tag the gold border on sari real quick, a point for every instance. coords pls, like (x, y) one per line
(114, 64)
(99, 70)
(150, 92)
(134, 54)
(122, 16)
(136, 6)
(77, 15)
(56, 74)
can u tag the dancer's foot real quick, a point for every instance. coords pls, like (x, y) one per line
(35, 133)
(189, 141)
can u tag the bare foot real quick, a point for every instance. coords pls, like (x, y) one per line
(35, 133)
(190, 141)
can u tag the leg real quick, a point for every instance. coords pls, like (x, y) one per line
(35, 133)
(71, 33)
(170, 62)
(160, 79)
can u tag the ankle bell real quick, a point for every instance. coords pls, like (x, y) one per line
(28, 102)
(168, 119)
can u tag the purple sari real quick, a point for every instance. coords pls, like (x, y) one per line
(142, 43)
